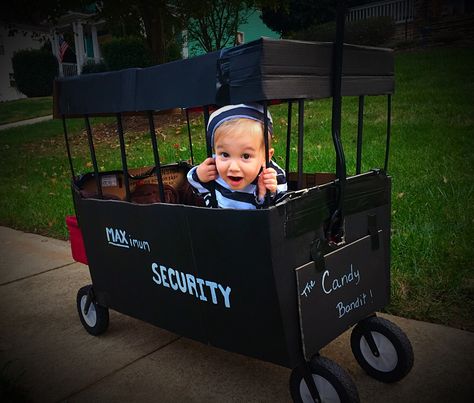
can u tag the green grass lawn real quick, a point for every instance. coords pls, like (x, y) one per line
(21, 109)
(431, 165)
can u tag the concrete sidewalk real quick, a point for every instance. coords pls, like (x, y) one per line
(25, 122)
(45, 350)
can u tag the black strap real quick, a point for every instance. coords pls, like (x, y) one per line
(373, 231)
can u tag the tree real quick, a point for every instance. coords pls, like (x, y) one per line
(295, 15)
(155, 19)
(214, 23)
(288, 16)
(43, 12)
(158, 17)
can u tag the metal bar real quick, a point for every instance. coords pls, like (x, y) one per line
(267, 146)
(209, 154)
(360, 129)
(389, 129)
(265, 133)
(124, 156)
(208, 139)
(336, 88)
(189, 136)
(156, 155)
(335, 228)
(300, 141)
(68, 148)
(94, 159)
(288, 139)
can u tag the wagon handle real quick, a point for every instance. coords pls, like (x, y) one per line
(335, 231)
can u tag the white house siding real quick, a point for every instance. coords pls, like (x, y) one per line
(8, 46)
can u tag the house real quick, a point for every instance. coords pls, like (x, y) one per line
(25, 37)
(76, 38)
(76, 28)
(85, 33)
(422, 20)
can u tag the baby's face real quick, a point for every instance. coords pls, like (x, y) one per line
(240, 155)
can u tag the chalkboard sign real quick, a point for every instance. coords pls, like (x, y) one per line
(353, 284)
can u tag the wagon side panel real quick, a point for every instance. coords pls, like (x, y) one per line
(141, 264)
(233, 248)
(323, 291)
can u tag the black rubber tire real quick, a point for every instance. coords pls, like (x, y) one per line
(97, 320)
(396, 353)
(326, 372)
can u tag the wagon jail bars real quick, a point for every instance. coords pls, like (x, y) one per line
(288, 139)
(156, 155)
(389, 130)
(209, 154)
(68, 148)
(94, 159)
(123, 156)
(360, 129)
(267, 147)
(335, 230)
(189, 137)
(300, 142)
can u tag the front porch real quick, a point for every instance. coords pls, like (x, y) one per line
(84, 30)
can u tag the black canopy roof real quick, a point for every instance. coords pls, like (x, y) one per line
(264, 69)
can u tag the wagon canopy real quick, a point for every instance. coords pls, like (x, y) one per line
(262, 70)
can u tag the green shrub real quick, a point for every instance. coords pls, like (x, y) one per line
(91, 67)
(123, 53)
(173, 51)
(372, 31)
(34, 71)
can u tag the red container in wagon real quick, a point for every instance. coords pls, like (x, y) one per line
(77, 242)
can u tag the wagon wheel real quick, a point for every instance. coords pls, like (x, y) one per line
(333, 384)
(382, 349)
(94, 318)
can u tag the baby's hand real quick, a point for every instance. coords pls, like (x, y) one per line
(267, 180)
(207, 171)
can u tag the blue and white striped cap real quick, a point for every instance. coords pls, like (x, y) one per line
(251, 111)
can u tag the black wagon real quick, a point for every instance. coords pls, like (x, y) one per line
(314, 265)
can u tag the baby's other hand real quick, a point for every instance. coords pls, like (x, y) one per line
(207, 171)
(267, 180)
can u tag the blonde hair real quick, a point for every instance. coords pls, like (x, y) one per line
(237, 125)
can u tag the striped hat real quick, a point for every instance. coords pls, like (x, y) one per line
(251, 111)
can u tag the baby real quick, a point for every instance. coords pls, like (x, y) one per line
(238, 167)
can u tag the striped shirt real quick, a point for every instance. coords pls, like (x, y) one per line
(244, 199)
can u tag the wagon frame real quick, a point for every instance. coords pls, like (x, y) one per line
(315, 264)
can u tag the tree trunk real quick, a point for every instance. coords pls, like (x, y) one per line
(154, 20)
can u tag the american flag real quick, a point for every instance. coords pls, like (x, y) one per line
(63, 46)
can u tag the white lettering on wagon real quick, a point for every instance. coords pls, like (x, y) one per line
(189, 284)
(345, 307)
(329, 286)
(308, 288)
(120, 238)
